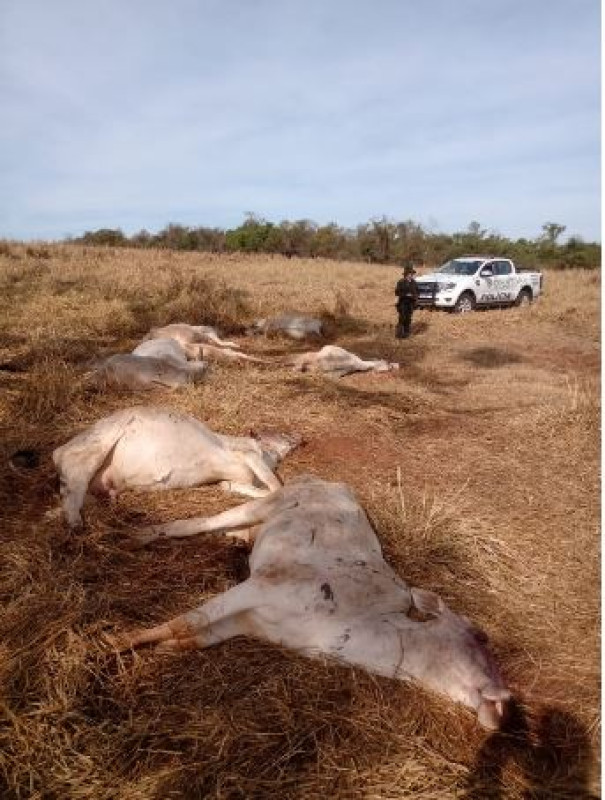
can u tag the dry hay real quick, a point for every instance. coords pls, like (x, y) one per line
(478, 465)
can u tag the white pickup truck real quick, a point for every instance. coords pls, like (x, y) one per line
(469, 281)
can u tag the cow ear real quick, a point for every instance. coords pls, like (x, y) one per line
(427, 602)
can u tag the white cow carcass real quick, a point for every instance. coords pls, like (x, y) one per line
(296, 326)
(193, 345)
(191, 334)
(164, 362)
(161, 362)
(154, 448)
(142, 372)
(337, 361)
(169, 350)
(319, 585)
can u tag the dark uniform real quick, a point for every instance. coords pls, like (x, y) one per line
(407, 295)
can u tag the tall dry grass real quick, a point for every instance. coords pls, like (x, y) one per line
(478, 465)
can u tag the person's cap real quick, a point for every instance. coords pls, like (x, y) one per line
(409, 270)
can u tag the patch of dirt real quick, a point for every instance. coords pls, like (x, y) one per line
(563, 357)
(356, 452)
(491, 357)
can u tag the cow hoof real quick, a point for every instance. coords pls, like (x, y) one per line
(492, 714)
(145, 536)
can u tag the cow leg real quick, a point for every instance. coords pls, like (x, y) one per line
(245, 535)
(265, 475)
(221, 342)
(243, 516)
(213, 634)
(244, 489)
(220, 618)
(226, 354)
(194, 352)
(78, 461)
(196, 368)
(76, 471)
(230, 355)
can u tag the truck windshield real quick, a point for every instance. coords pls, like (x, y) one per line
(458, 266)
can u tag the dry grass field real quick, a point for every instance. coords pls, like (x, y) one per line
(478, 464)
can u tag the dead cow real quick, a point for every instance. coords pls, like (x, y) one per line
(319, 585)
(168, 350)
(162, 362)
(176, 339)
(190, 334)
(296, 326)
(144, 372)
(154, 448)
(338, 361)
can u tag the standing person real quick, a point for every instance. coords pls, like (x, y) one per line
(407, 295)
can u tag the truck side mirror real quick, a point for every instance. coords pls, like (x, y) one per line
(486, 272)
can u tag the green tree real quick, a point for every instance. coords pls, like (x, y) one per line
(552, 231)
(176, 237)
(251, 236)
(409, 242)
(297, 237)
(329, 242)
(113, 237)
(376, 240)
(142, 239)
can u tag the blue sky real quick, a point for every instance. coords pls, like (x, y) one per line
(137, 113)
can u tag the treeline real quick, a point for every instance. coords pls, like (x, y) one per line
(380, 241)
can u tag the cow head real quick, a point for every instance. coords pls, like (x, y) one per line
(448, 654)
(276, 446)
(385, 366)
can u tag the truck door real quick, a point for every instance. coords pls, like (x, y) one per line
(504, 282)
(484, 283)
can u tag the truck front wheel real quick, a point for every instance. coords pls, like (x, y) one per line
(465, 303)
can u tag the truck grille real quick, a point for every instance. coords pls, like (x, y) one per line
(427, 290)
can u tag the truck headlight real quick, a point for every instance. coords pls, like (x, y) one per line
(444, 287)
